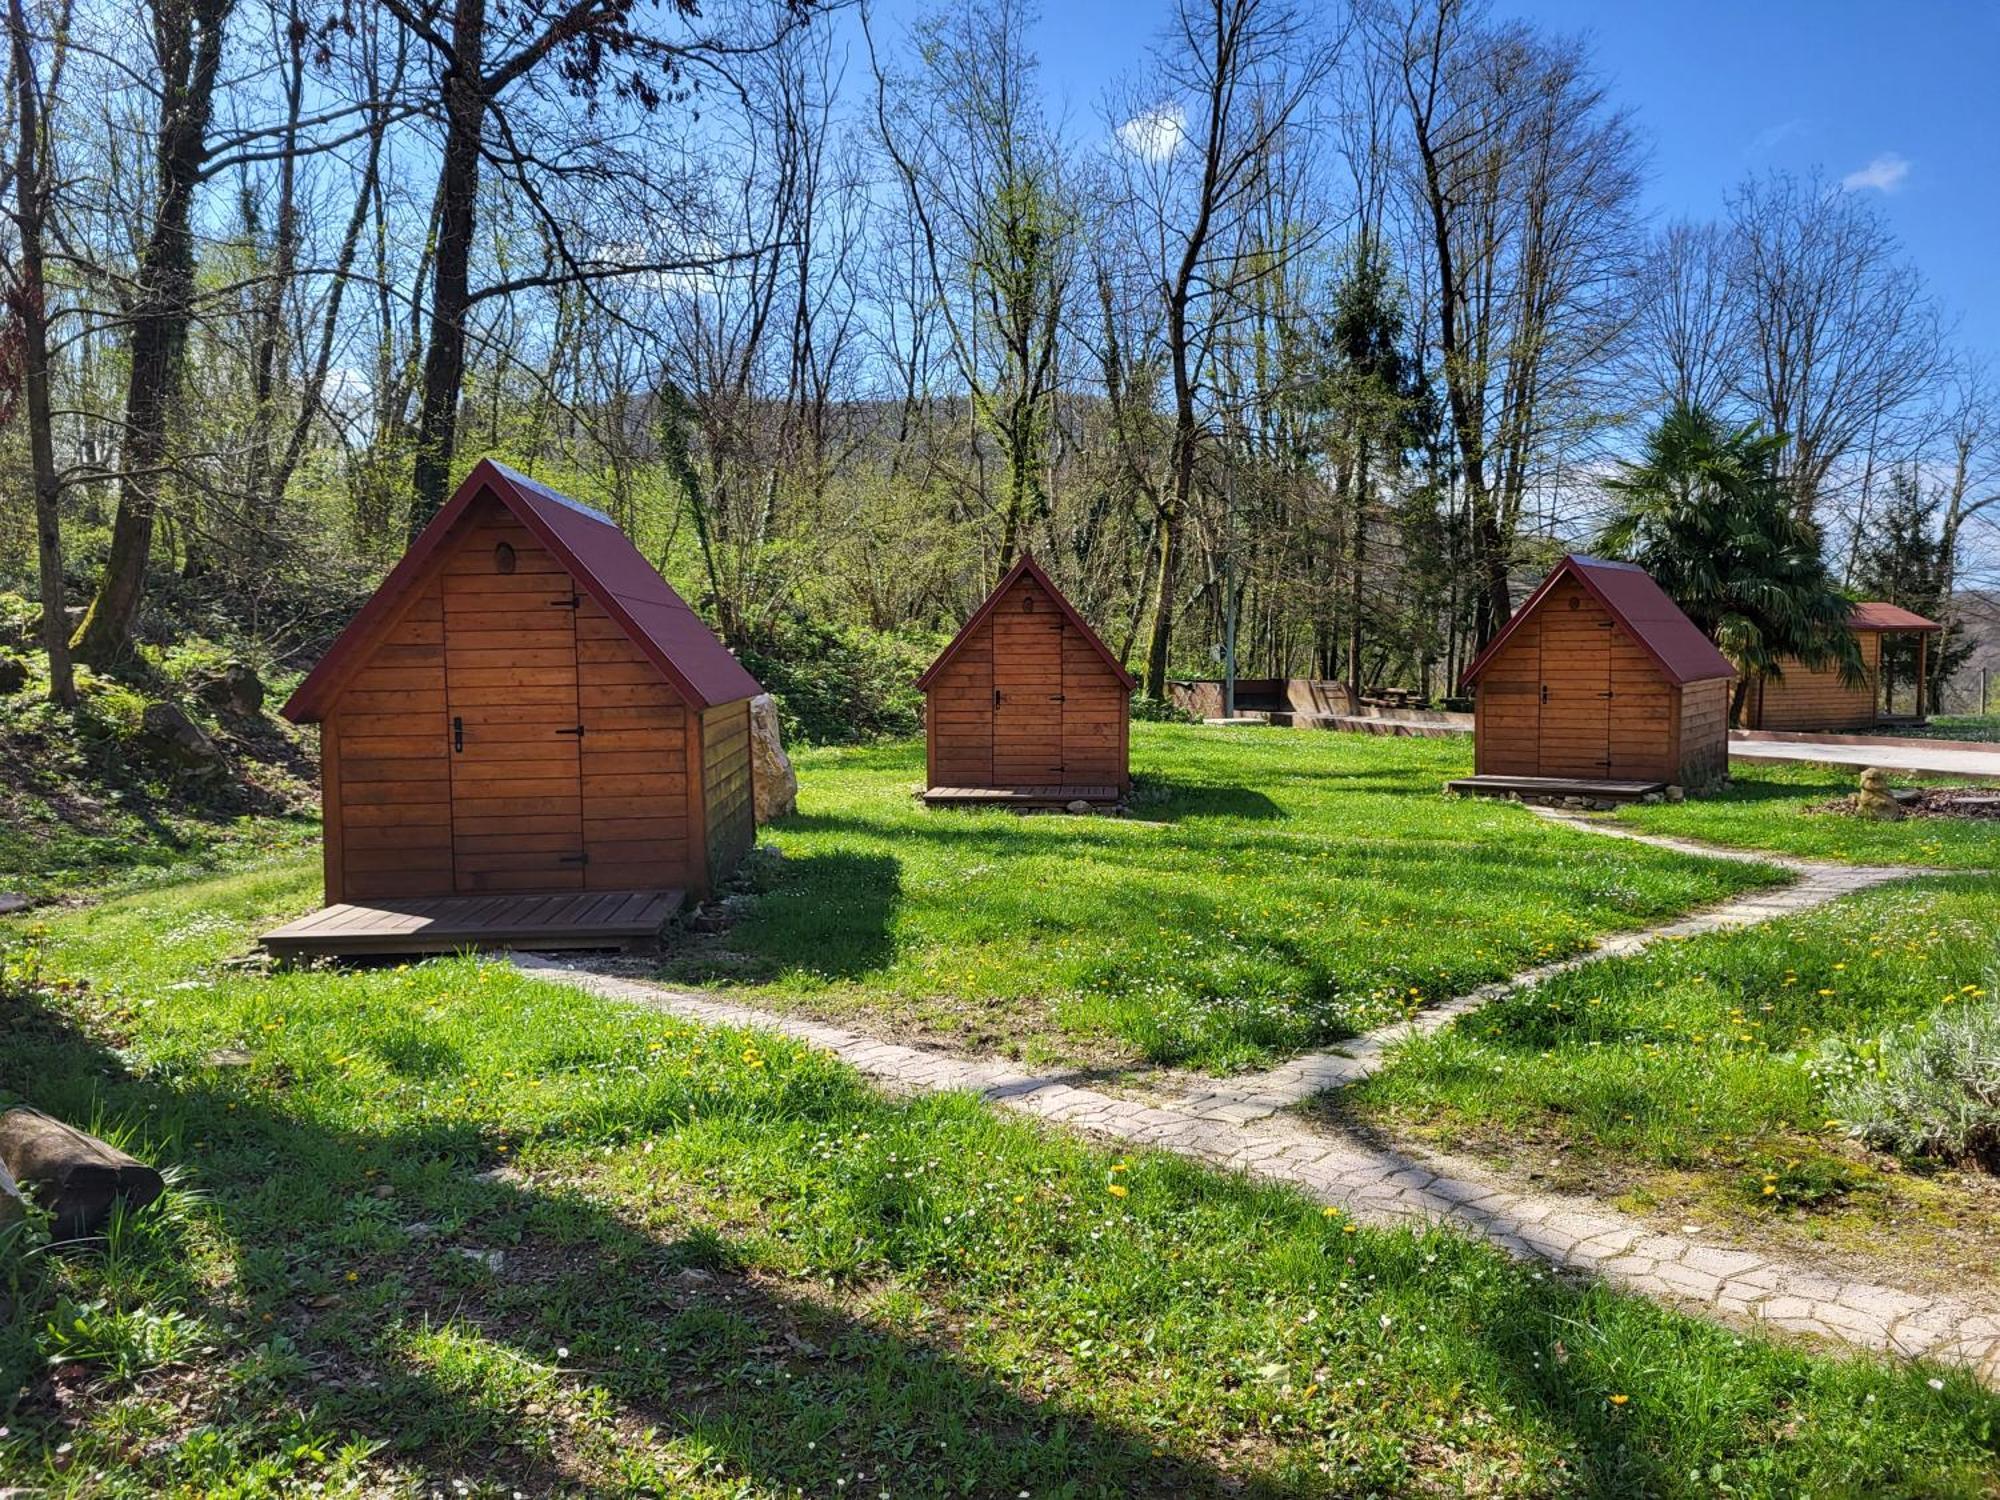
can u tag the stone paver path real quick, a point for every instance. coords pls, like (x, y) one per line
(1252, 1095)
(1236, 1125)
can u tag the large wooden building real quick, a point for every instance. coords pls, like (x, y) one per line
(1599, 677)
(1026, 704)
(525, 706)
(1817, 698)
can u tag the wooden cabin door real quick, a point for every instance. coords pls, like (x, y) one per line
(511, 712)
(1576, 688)
(1027, 689)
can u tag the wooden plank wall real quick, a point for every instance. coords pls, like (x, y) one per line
(1095, 713)
(510, 679)
(385, 766)
(730, 808)
(1645, 714)
(407, 816)
(1704, 737)
(1576, 674)
(1507, 718)
(636, 773)
(958, 715)
(1807, 699)
(1028, 675)
(1063, 716)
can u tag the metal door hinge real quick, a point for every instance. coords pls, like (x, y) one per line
(578, 731)
(574, 601)
(458, 736)
(573, 859)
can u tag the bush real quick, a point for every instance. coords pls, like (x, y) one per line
(1159, 711)
(1935, 1091)
(840, 685)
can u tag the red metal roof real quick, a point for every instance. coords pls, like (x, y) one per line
(1876, 615)
(1676, 644)
(601, 559)
(1033, 569)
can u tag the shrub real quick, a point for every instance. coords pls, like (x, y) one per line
(1159, 711)
(839, 685)
(1935, 1091)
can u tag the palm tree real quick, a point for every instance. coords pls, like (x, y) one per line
(1704, 511)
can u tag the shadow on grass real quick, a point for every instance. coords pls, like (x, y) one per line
(367, 1303)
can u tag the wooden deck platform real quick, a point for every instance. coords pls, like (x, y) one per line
(446, 924)
(1553, 786)
(1019, 796)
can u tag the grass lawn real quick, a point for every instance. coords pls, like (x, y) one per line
(1956, 727)
(446, 1230)
(1679, 1079)
(1273, 890)
(1784, 807)
(83, 812)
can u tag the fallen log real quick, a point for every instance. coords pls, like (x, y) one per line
(76, 1177)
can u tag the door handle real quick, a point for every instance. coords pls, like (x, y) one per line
(996, 697)
(458, 736)
(1545, 692)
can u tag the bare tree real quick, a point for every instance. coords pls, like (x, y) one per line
(1526, 183)
(1685, 343)
(1227, 80)
(984, 185)
(1841, 339)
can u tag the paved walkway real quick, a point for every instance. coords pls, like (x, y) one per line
(1236, 1124)
(1920, 759)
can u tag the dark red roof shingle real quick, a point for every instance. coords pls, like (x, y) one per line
(603, 562)
(1875, 615)
(1675, 643)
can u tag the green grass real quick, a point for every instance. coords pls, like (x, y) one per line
(1955, 727)
(1683, 1074)
(1786, 808)
(729, 1269)
(1273, 890)
(83, 813)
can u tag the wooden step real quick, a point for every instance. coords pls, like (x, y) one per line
(448, 924)
(1554, 786)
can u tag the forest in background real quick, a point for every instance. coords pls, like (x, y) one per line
(1323, 332)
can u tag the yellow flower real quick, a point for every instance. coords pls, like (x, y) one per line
(1620, 1400)
(1353, 1229)
(1119, 1190)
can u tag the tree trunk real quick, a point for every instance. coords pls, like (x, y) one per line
(188, 39)
(31, 308)
(465, 102)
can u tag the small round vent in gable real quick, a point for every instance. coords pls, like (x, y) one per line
(503, 558)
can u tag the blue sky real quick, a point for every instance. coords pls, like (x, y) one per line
(1900, 91)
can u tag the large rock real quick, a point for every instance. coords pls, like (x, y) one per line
(77, 1177)
(169, 738)
(777, 784)
(13, 673)
(234, 689)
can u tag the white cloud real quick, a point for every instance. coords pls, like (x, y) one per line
(1156, 134)
(1773, 136)
(1885, 174)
